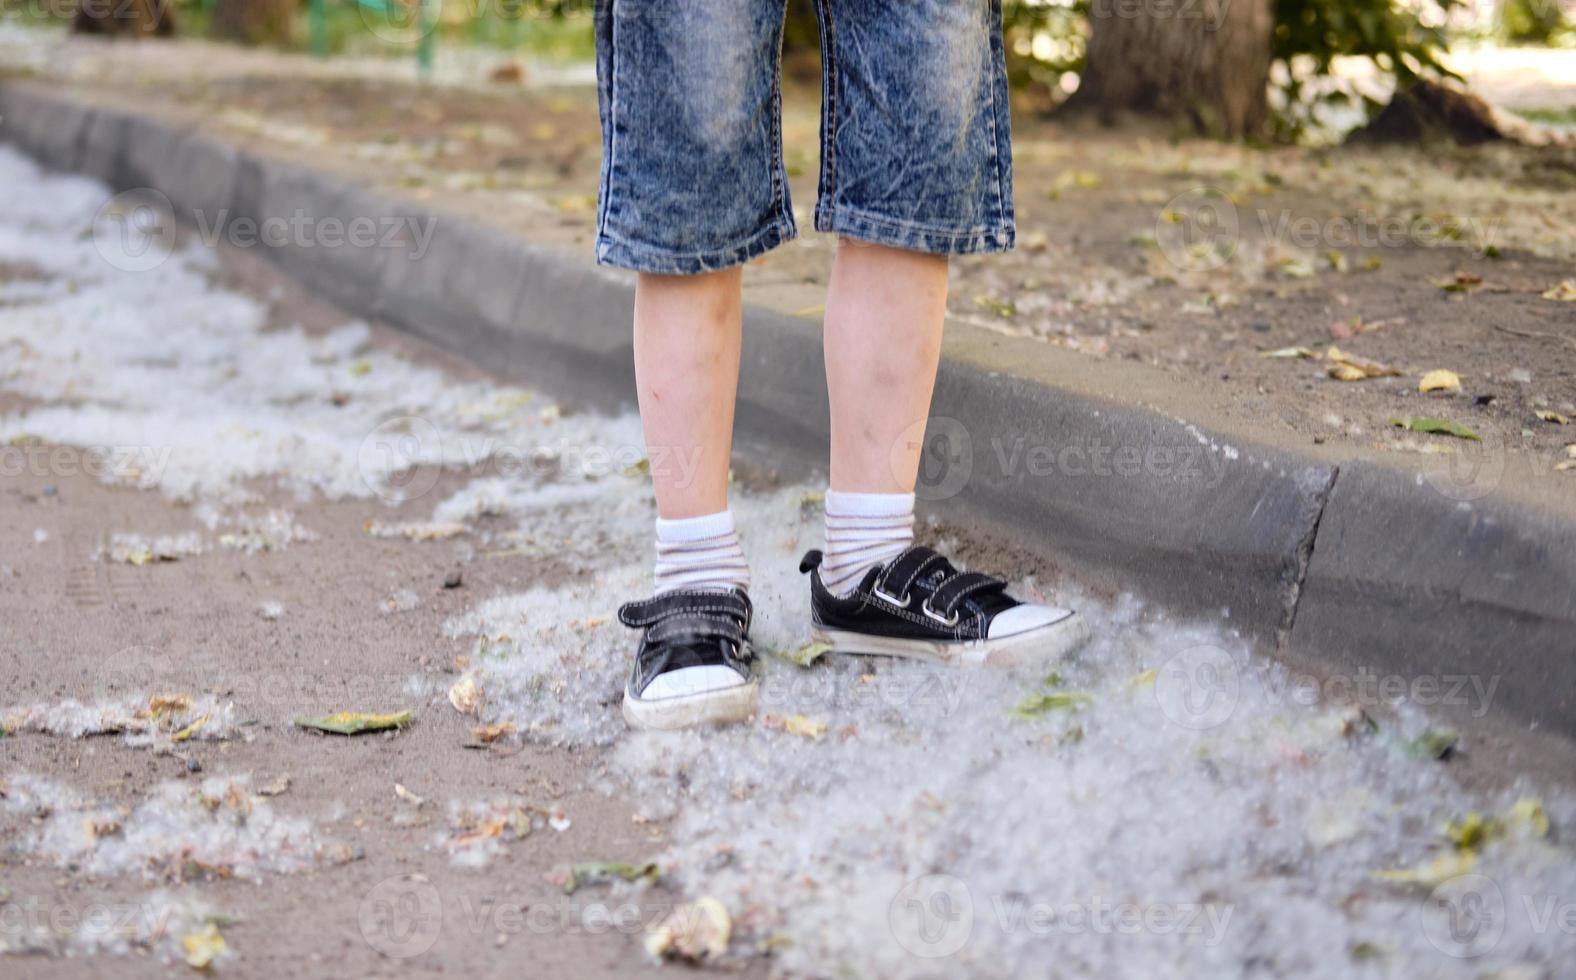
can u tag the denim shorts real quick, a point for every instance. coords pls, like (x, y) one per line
(916, 144)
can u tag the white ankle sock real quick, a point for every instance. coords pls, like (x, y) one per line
(700, 553)
(862, 531)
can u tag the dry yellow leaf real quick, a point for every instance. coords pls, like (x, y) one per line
(807, 727)
(1440, 380)
(164, 704)
(1564, 291)
(1347, 367)
(694, 931)
(1554, 417)
(1440, 868)
(189, 730)
(203, 947)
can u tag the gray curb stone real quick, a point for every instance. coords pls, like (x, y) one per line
(1481, 592)
(1347, 567)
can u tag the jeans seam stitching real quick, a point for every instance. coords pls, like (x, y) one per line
(612, 112)
(998, 55)
(829, 98)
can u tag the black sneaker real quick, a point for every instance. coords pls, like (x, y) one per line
(919, 606)
(694, 665)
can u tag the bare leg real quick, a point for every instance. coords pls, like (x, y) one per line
(687, 377)
(884, 314)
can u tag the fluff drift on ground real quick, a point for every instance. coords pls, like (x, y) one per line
(179, 832)
(160, 722)
(1163, 804)
(177, 385)
(171, 923)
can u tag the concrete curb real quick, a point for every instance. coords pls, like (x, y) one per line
(1344, 565)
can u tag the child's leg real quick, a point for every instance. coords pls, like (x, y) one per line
(884, 314)
(687, 376)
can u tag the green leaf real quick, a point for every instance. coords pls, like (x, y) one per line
(356, 722)
(590, 872)
(1038, 704)
(1443, 427)
(806, 655)
(1433, 744)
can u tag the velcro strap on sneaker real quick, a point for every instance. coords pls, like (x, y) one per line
(723, 603)
(946, 599)
(903, 571)
(696, 627)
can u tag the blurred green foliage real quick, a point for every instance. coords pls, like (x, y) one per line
(1528, 21)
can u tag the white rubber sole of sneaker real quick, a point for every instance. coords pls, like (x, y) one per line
(720, 707)
(1043, 645)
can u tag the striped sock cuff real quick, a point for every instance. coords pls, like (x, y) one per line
(863, 530)
(700, 553)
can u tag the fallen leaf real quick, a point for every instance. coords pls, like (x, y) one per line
(1462, 282)
(203, 947)
(356, 722)
(1554, 417)
(806, 655)
(1440, 380)
(492, 733)
(1438, 427)
(1563, 291)
(1434, 871)
(1348, 367)
(1039, 704)
(1471, 832)
(590, 872)
(166, 704)
(693, 931)
(1296, 268)
(1143, 679)
(1433, 744)
(1301, 352)
(796, 725)
(400, 792)
(189, 730)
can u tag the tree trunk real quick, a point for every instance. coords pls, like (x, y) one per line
(125, 18)
(1203, 63)
(254, 21)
